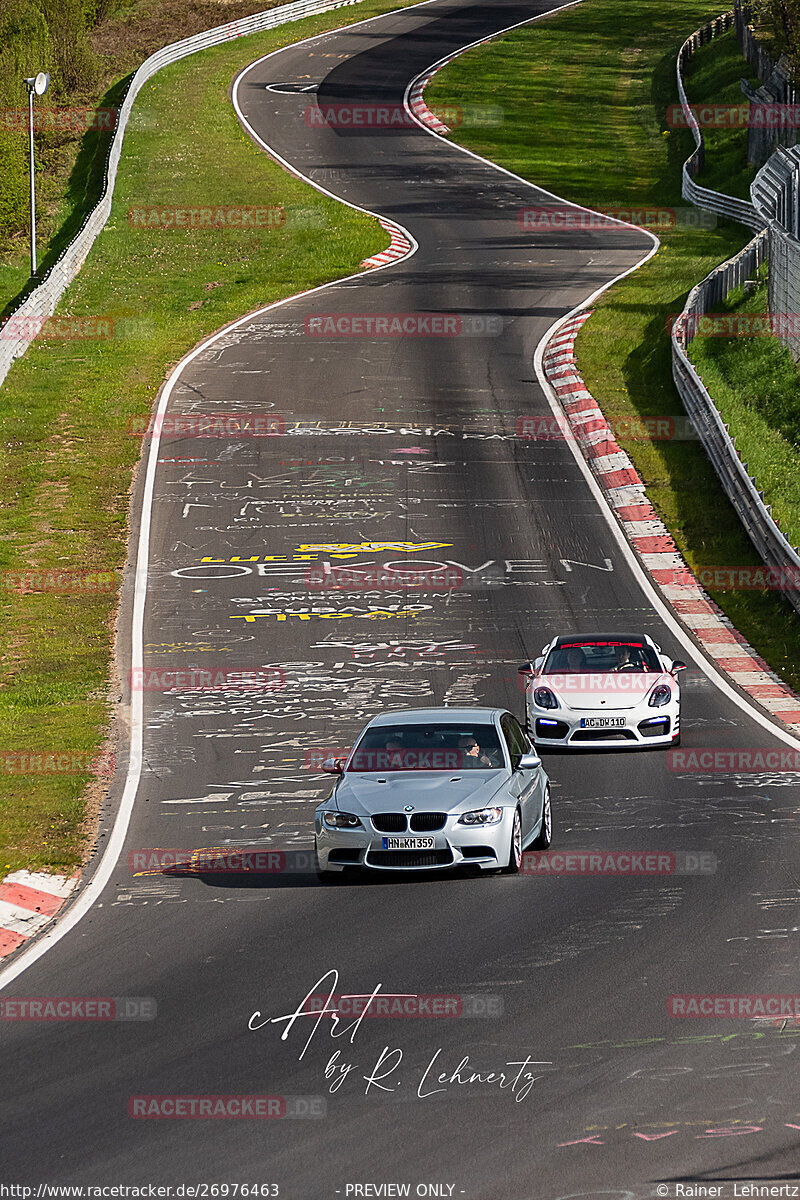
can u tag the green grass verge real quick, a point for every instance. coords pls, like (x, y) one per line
(585, 96)
(66, 459)
(755, 385)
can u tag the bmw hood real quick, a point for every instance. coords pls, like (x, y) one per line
(428, 791)
(603, 692)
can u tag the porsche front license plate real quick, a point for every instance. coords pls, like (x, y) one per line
(602, 722)
(408, 843)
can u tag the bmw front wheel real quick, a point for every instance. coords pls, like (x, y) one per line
(515, 846)
(545, 835)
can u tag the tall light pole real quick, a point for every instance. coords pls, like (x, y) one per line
(38, 84)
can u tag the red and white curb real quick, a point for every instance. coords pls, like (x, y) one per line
(649, 537)
(419, 108)
(398, 247)
(28, 901)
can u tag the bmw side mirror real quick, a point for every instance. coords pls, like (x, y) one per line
(529, 762)
(333, 766)
(677, 666)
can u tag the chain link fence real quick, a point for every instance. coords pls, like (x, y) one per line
(773, 106)
(776, 196)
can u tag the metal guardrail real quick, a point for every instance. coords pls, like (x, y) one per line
(23, 324)
(776, 196)
(737, 483)
(716, 202)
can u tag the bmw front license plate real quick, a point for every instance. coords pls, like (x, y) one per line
(602, 722)
(408, 843)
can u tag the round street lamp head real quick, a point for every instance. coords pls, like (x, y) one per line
(41, 83)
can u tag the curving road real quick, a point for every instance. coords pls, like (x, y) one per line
(404, 449)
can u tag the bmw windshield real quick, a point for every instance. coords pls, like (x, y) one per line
(435, 747)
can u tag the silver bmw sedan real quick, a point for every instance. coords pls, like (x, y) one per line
(431, 788)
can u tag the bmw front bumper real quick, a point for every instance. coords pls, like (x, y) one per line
(455, 845)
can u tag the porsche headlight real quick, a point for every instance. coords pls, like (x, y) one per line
(481, 816)
(661, 695)
(544, 698)
(340, 820)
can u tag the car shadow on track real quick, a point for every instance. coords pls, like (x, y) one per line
(304, 879)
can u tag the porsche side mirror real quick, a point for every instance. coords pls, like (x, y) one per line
(333, 766)
(525, 669)
(677, 666)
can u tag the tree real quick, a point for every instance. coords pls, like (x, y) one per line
(784, 18)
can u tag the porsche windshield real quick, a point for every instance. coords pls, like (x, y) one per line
(439, 747)
(587, 656)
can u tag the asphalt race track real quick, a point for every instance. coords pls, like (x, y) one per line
(404, 450)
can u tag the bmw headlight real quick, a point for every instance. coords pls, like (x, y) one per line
(661, 695)
(340, 820)
(544, 698)
(481, 816)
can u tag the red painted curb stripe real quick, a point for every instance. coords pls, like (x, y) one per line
(30, 898)
(619, 478)
(636, 512)
(660, 543)
(9, 941)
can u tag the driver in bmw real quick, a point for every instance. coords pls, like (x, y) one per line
(472, 753)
